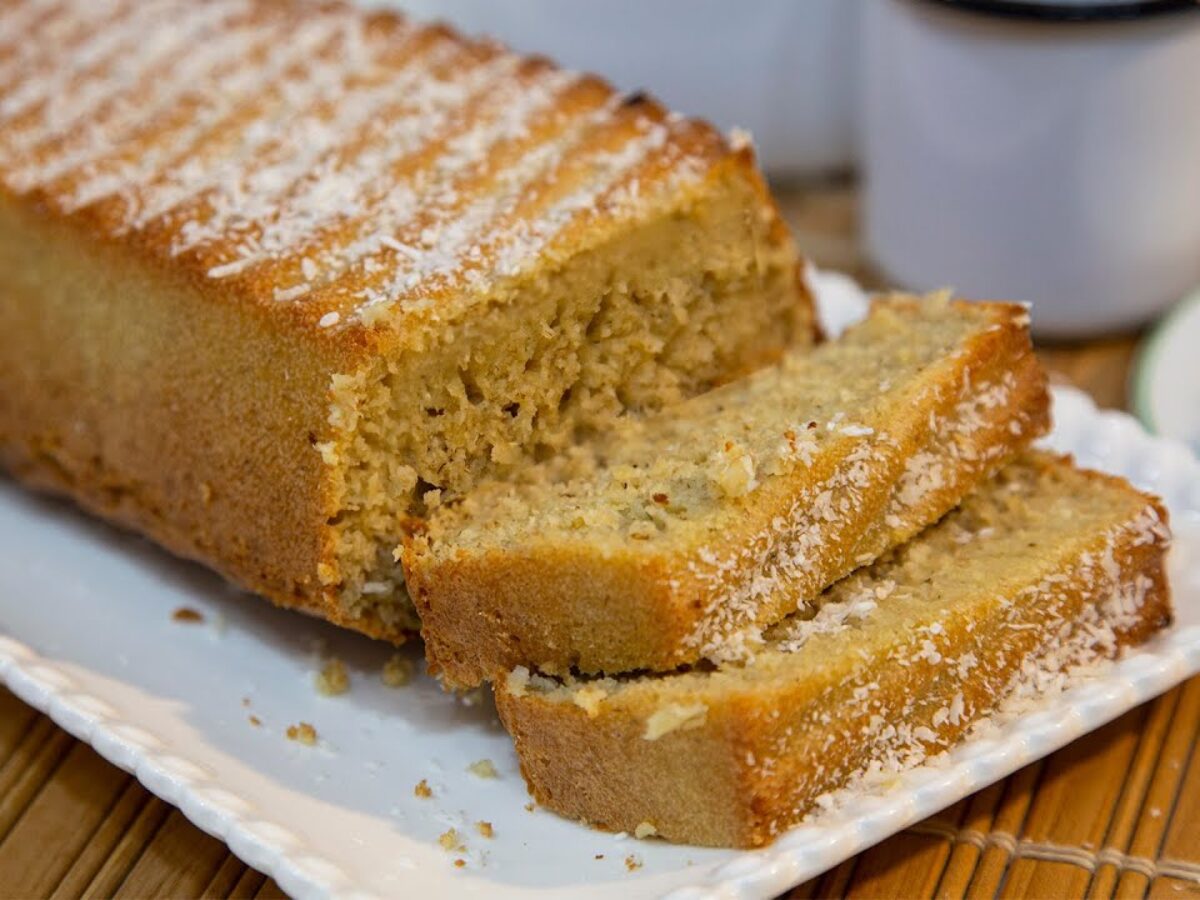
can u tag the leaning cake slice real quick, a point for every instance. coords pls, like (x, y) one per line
(688, 534)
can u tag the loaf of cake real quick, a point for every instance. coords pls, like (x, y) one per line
(1045, 568)
(692, 530)
(275, 276)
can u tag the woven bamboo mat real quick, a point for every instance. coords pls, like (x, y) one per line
(1116, 814)
(71, 825)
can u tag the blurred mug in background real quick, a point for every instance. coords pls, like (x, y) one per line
(1039, 151)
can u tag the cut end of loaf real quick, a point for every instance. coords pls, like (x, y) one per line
(659, 313)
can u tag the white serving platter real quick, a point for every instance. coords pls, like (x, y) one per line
(87, 636)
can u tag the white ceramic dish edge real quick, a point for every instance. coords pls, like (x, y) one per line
(267, 846)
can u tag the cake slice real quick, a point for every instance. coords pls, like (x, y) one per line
(273, 272)
(1044, 568)
(688, 533)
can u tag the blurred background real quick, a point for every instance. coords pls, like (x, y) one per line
(1019, 149)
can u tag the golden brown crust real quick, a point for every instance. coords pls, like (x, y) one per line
(761, 756)
(205, 446)
(619, 159)
(558, 607)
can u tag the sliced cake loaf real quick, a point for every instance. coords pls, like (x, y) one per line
(1045, 567)
(273, 271)
(691, 531)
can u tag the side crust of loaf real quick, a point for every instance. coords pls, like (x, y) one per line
(203, 443)
(562, 608)
(759, 760)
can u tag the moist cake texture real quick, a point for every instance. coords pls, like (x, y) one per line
(275, 276)
(686, 533)
(1045, 568)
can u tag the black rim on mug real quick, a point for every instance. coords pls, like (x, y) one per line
(1068, 11)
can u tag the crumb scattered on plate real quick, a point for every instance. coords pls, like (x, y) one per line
(459, 863)
(599, 856)
(485, 829)
(645, 830)
(633, 862)
(302, 733)
(483, 768)
(451, 841)
(333, 679)
(397, 671)
(187, 614)
(529, 807)
(423, 790)
(255, 721)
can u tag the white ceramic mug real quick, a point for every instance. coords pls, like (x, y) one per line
(1053, 162)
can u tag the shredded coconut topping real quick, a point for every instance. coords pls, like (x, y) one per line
(355, 162)
(674, 717)
(830, 618)
(782, 557)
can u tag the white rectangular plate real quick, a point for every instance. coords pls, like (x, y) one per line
(87, 636)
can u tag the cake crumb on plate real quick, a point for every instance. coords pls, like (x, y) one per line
(397, 671)
(645, 830)
(483, 768)
(302, 733)
(333, 679)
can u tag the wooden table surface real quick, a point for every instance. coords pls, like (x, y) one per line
(1117, 813)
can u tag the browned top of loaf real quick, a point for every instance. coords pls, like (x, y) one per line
(351, 172)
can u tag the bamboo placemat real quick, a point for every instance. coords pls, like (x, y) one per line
(1116, 813)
